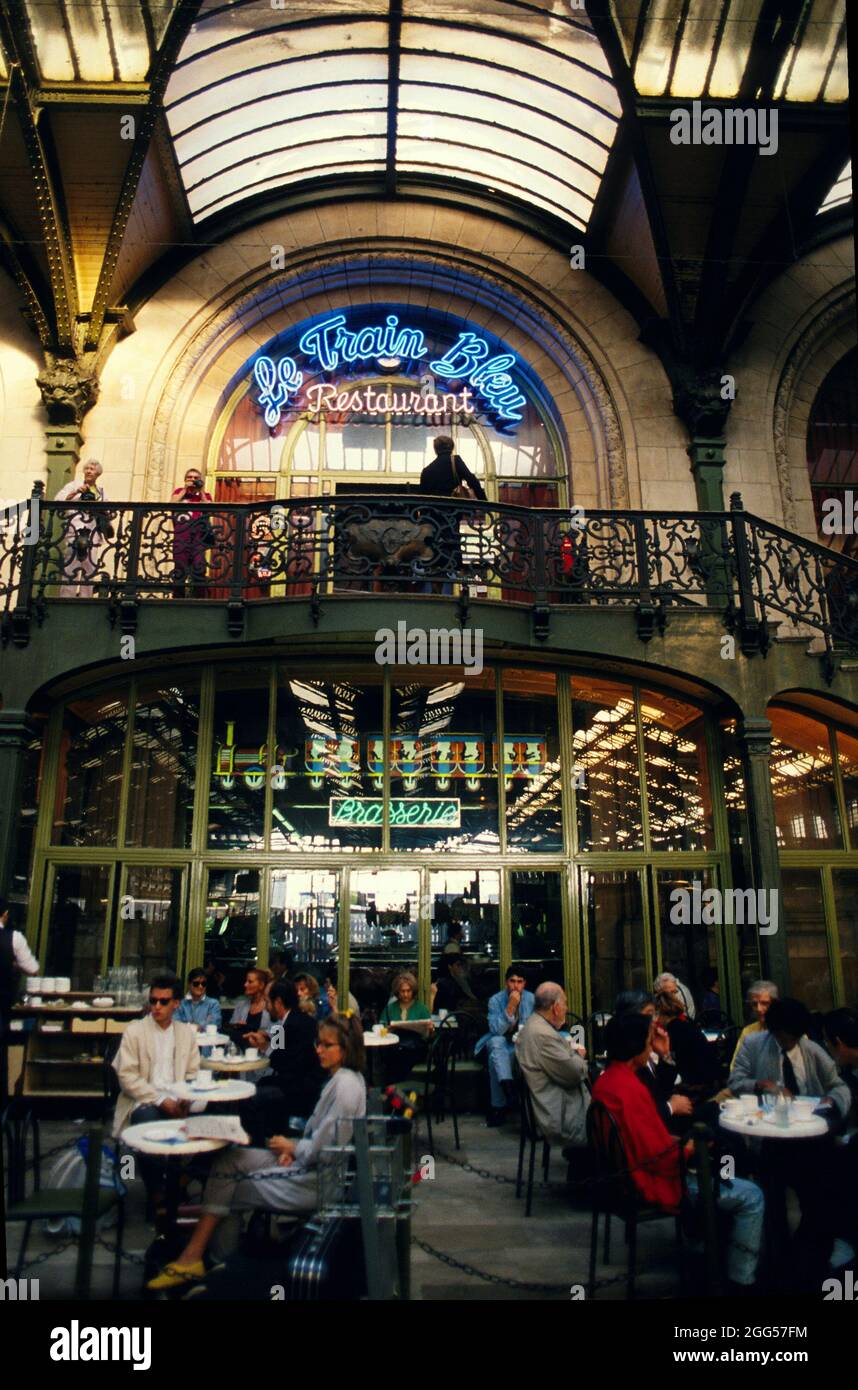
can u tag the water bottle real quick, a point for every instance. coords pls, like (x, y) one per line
(782, 1111)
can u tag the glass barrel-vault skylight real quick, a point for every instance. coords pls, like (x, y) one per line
(840, 192)
(520, 104)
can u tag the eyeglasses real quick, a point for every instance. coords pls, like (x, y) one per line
(197, 982)
(154, 1002)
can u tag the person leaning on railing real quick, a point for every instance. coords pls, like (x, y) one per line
(83, 532)
(192, 535)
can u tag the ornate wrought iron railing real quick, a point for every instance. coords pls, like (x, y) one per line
(311, 550)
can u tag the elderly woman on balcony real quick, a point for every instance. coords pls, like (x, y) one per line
(83, 532)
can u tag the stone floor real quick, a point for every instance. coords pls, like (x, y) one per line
(473, 1219)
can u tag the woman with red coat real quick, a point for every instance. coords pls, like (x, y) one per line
(653, 1155)
(191, 537)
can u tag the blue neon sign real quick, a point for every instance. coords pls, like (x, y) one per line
(331, 342)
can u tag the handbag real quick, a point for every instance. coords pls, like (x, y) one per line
(462, 490)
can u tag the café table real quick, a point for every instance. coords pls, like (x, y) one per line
(762, 1128)
(235, 1065)
(231, 1089)
(166, 1139)
(373, 1041)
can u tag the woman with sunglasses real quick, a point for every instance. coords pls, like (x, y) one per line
(248, 1179)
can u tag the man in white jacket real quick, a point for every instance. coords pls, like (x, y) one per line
(155, 1053)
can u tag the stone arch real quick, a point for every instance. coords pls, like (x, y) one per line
(528, 295)
(822, 339)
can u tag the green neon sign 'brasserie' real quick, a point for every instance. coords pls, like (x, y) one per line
(409, 814)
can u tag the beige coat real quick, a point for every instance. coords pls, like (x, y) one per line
(555, 1075)
(135, 1061)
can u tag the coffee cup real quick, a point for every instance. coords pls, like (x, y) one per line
(251, 1054)
(211, 1028)
(442, 1014)
(378, 1029)
(217, 1052)
(205, 1081)
(748, 1103)
(803, 1107)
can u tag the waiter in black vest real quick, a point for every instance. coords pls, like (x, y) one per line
(447, 476)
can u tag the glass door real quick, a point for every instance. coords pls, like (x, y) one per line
(383, 931)
(616, 945)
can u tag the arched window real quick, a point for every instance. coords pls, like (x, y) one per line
(832, 454)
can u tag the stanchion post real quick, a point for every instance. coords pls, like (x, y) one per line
(706, 1183)
(89, 1213)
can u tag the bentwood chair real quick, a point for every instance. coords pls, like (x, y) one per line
(615, 1194)
(529, 1135)
(85, 1204)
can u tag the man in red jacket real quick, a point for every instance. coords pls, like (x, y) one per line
(653, 1153)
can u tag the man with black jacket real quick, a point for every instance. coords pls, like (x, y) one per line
(441, 478)
(297, 1078)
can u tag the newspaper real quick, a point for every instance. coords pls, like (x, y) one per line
(216, 1127)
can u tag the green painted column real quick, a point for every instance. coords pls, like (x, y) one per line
(62, 449)
(755, 740)
(707, 467)
(16, 731)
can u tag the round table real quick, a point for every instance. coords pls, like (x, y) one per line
(138, 1137)
(374, 1040)
(231, 1089)
(761, 1124)
(235, 1064)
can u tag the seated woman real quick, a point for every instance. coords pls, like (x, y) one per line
(251, 1022)
(411, 1020)
(311, 1000)
(696, 1059)
(251, 1179)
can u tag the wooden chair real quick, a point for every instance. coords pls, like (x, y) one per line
(615, 1194)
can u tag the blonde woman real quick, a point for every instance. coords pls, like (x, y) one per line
(411, 1020)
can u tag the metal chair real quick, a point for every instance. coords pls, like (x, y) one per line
(529, 1135)
(615, 1194)
(448, 1056)
(86, 1204)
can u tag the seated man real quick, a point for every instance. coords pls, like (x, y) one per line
(197, 1007)
(660, 1075)
(155, 1052)
(653, 1155)
(555, 1070)
(783, 1056)
(454, 992)
(296, 1078)
(509, 1010)
(840, 1029)
(758, 999)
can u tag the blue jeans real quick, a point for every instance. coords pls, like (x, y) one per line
(500, 1053)
(746, 1204)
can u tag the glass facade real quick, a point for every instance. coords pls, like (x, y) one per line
(350, 814)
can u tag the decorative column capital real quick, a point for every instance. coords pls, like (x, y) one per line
(699, 403)
(68, 391)
(755, 732)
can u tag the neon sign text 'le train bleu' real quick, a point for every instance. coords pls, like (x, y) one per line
(330, 342)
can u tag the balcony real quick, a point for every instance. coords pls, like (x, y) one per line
(315, 551)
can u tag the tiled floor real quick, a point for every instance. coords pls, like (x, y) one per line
(474, 1219)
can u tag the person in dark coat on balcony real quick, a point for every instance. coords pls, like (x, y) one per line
(191, 536)
(441, 478)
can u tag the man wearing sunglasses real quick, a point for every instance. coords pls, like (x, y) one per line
(197, 1007)
(155, 1053)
